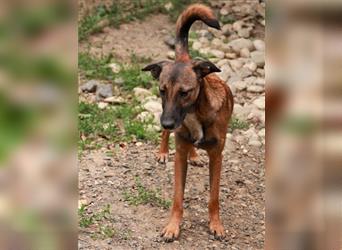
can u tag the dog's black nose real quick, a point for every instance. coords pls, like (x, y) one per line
(168, 123)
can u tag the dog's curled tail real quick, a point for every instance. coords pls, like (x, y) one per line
(185, 20)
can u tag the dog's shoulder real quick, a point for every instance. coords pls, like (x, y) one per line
(216, 91)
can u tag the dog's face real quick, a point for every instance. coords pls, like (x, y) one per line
(179, 86)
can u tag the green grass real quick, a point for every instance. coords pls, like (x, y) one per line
(95, 68)
(144, 195)
(100, 219)
(227, 19)
(114, 124)
(98, 68)
(126, 11)
(236, 123)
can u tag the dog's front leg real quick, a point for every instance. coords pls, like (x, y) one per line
(171, 231)
(215, 164)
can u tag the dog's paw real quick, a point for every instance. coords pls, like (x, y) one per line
(162, 157)
(217, 230)
(170, 232)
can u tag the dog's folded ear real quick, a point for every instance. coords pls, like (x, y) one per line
(155, 69)
(203, 68)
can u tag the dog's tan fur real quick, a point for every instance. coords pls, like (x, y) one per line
(191, 86)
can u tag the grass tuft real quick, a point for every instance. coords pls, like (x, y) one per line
(144, 195)
(236, 123)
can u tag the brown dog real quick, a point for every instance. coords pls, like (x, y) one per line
(188, 86)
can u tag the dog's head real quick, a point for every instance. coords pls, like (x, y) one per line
(179, 86)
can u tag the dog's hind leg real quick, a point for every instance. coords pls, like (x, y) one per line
(163, 153)
(194, 158)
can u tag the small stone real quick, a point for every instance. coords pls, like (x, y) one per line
(102, 105)
(260, 102)
(196, 45)
(237, 25)
(254, 143)
(168, 6)
(170, 41)
(258, 57)
(89, 86)
(204, 41)
(226, 71)
(115, 67)
(227, 29)
(224, 12)
(255, 89)
(240, 85)
(244, 52)
(259, 45)
(235, 64)
(104, 91)
(119, 81)
(171, 54)
(240, 43)
(217, 53)
(260, 81)
(230, 55)
(251, 66)
(216, 43)
(114, 100)
(222, 62)
(245, 33)
(244, 72)
(141, 93)
(261, 133)
(153, 106)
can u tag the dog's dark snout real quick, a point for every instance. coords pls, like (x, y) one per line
(168, 123)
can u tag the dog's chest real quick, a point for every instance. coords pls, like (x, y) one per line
(209, 139)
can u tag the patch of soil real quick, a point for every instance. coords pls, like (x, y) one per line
(145, 39)
(103, 180)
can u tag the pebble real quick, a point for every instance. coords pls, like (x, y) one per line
(115, 67)
(226, 71)
(258, 57)
(114, 100)
(255, 89)
(244, 52)
(260, 102)
(217, 53)
(171, 54)
(102, 105)
(240, 43)
(251, 66)
(227, 29)
(245, 33)
(230, 55)
(141, 93)
(90, 86)
(170, 41)
(153, 106)
(259, 45)
(196, 45)
(119, 81)
(104, 91)
(240, 85)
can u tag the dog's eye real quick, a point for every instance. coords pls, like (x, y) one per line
(184, 93)
(162, 91)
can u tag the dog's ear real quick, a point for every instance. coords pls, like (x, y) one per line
(203, 68)
(155, 69)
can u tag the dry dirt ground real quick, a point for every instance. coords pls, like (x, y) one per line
(105, 175)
